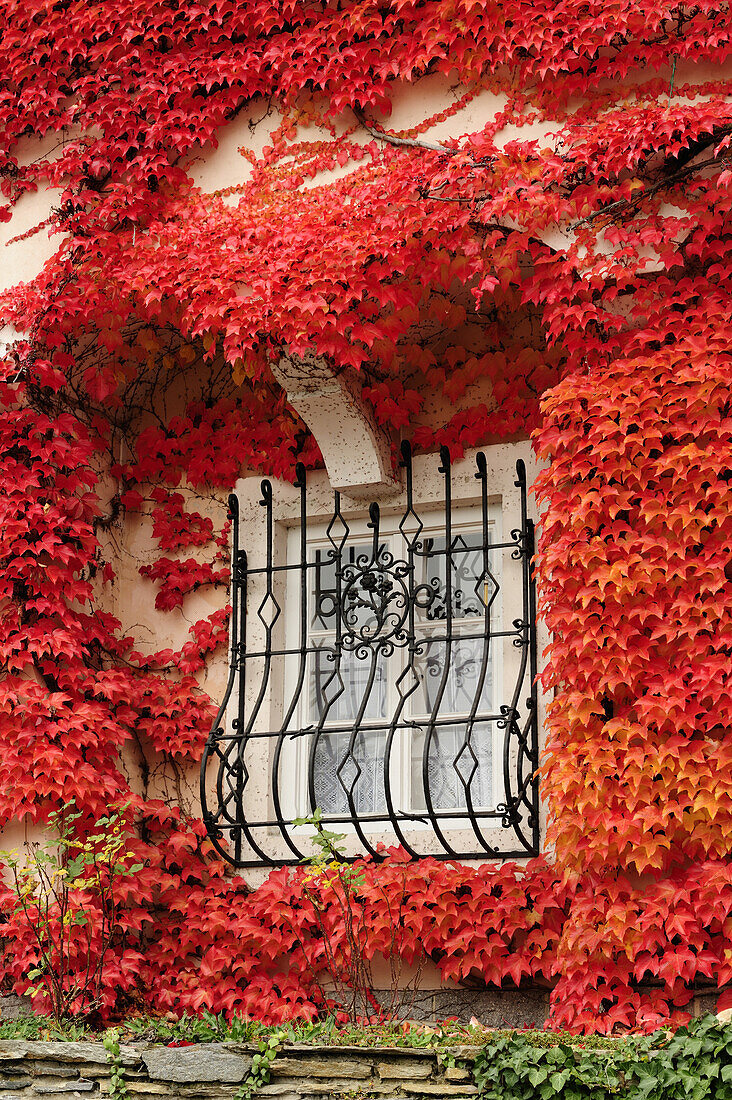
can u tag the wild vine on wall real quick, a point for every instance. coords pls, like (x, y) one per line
(614, 230)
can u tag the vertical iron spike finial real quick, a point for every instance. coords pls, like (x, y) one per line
(266, 487)
(233, 503)
(444, 459)
(406, 449)
(520, 481)
(300, 475)
(480, 462)
(373, 525)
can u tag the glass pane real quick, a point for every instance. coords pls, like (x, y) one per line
(472, 585)
(467, 657)
(337, 690)
(323, 604)
(361, 772)
(456, 764)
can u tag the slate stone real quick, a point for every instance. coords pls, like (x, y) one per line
(53, 1069)
(14, 1049)
(13, 1007)
(337, 1087)
(147, 1087)
(457, 1073)
(319, 1067)
(407, 1070)
(68, 1095)
(19, 1082)
(193, 1064)
(69, 1087)
(437, 1088)
(204, 1092)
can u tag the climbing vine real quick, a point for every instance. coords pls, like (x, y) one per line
(574, 284)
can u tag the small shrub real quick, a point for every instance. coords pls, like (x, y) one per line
(64, 895)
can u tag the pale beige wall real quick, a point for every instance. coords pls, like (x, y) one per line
(225, 167)
(132, 598)
(22, 260)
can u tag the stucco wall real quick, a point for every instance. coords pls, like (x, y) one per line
(224, 168)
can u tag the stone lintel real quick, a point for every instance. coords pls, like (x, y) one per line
(355, 449)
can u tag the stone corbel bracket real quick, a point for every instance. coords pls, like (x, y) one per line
(355, 449)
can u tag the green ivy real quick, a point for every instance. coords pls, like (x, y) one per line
(117, 1083)
(261, 1068)
(694, 1063)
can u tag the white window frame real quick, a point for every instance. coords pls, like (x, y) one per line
(467, 520)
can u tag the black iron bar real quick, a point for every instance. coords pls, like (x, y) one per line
(301, 484)
(394, 816)
(337, 653)
(488, 636)
(444, 469)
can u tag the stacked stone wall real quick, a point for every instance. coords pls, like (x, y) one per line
(216, 1071)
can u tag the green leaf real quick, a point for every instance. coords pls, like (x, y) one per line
(559, 1079)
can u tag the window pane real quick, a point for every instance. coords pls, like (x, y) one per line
(372, 599)
(337, 688)
(361, 772)
(467, 659)
(472, 587)
(362, 684)
(323, 604)
(456, 763)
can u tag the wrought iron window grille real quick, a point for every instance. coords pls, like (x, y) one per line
(394, 657)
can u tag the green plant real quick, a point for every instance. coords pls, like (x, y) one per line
(327, 1031)
(336, 890)
(118, 1085)
(333, 883)
(206, 1028)
(42, 1027)
(694, 1063)
(261, 1068)
(64, 893)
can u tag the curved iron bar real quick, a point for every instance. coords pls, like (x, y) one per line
(355, 641)
(482, 477)
(301, 484)
(337, 553)
(406, 464)
(211, 749)
(237, 826)
(444, 469)
(525, 640)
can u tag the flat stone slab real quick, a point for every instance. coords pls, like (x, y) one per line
(320, 1067)
(73, 1087)
(188, 1065)
(404, 1070)
(14, 1049)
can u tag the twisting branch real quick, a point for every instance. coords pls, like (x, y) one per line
(392, 139)
(623, 205)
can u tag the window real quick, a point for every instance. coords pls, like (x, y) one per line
(382, 670)
(374, 665)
